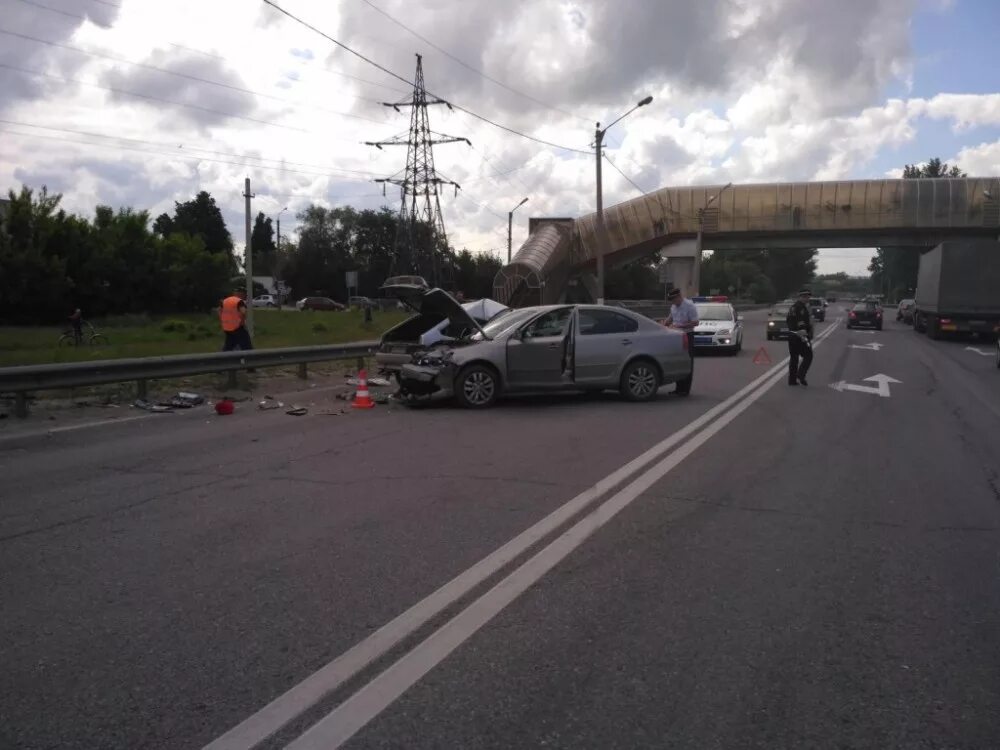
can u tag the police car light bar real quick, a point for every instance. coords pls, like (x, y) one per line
(710, 299)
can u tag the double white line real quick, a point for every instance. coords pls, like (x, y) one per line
(364, 705)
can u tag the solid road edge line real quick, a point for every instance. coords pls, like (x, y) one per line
(300, 698)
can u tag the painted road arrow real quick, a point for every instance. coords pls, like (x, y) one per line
(978, 351)
(882, 389)
(874, 346)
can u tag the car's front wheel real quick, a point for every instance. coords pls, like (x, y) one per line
(477, 387)
(640, 380)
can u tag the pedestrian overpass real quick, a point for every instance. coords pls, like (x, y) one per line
(561, 252)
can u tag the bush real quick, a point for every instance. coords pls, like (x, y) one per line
(320, 328)
(173, 326)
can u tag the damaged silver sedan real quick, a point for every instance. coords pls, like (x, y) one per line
(569, 348)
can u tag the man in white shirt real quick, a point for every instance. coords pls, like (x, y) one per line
(683, 317)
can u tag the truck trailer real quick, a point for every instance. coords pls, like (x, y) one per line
(958, 289)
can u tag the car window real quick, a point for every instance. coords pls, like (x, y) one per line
(551, 324)
(714, 312)
(596, 322)
(865, 306)
(780, 311)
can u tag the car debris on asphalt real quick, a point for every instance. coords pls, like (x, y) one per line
(269, 403)
(297, 411)
(141, 403)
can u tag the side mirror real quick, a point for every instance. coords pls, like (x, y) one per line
(739, 318)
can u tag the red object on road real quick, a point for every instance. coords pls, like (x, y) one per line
(762, 357)
(362, 400)
(224, 407)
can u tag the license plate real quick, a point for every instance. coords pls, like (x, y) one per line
(703, 339)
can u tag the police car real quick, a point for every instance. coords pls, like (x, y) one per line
(719, 327)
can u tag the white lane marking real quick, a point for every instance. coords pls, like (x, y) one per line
(882, 389)
(298, 699)
(874, 346)
(72, 427)
(978, 351)
(350, 716)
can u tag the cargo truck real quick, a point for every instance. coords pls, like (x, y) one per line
(958, 289)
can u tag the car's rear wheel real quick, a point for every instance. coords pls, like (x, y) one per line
(477, 387)
(640, 380)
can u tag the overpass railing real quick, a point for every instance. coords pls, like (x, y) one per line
(27, 379)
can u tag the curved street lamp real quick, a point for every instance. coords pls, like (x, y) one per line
(510, 225)
(602, 239)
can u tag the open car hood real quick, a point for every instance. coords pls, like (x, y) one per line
(484, 309)
(435, 302)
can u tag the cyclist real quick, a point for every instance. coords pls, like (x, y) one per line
(76, 320)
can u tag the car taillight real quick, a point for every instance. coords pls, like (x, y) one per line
(878, 314)
(852, 314)
(945, 321)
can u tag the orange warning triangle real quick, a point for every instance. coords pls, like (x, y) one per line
(762, 357)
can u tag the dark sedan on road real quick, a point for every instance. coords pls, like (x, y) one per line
(552, 348)
(817, 307)
(777, 323)
(866, 314)
(318, 303)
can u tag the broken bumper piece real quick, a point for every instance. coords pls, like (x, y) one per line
(424, 380)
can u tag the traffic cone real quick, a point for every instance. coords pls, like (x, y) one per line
(362, 400)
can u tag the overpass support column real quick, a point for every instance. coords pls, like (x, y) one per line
(684, 265)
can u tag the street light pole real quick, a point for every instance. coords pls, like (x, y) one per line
(602, 235)
(277, 260)
(696, 274)
(510, 226)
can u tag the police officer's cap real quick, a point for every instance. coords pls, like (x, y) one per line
(673, 292)
(805, 291)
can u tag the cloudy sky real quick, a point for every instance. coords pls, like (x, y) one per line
(144, 102)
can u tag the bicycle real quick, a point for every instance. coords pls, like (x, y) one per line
(88, 335)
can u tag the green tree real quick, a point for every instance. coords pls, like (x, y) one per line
(894, 269)
(264, 250)
(199, 217)
(790, 269)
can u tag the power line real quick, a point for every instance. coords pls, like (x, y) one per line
(118, 147)
(320, 68)
(400, 78)
(160, 144)
(189, 77)
(160, 99)
(624, 175)
(475, 70)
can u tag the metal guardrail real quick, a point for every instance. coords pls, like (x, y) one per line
(27, 379)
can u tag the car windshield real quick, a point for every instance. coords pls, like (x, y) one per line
(503, 322)
(714, 312)
(783, 310)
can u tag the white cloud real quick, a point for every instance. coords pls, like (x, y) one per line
(744, 90)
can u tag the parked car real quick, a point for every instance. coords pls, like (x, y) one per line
(264, 300)
(865, 315)
(817, 307)
(904, 311)
(318, 303)
(719, 327)
(777, 321)
(551, 348)
(435, 320)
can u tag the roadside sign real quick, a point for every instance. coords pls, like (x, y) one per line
(352, 279)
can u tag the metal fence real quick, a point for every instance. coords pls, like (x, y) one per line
(22, 381)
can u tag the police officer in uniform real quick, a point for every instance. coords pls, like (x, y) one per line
(800, 334)
(683, 317)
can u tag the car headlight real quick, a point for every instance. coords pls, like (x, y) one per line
(770, 323)
(724, 332)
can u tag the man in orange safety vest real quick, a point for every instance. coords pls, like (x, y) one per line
(233, 318)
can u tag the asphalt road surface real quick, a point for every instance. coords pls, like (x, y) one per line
(755, 566)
